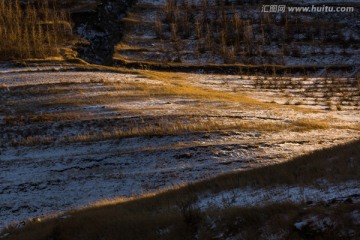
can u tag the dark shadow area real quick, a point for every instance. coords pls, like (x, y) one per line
(102, 29)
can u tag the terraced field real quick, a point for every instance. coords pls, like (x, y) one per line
(230, 32)
(70, 138)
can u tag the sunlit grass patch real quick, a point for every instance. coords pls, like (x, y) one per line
(127, 47)
(34, 29)
(162, 127)
(165, 127)
(177, 86)
(310, 124)
(4, 87)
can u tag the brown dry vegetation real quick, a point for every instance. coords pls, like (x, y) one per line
(171, 214)
(31, 30)
(233, 32)
(195, 125)
(179, 87)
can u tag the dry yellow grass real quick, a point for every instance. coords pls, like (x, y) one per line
(127, 47)
(194, 125)
(4, 87)
(34, 30)
(158, 127)
(178, 86)
(309, 124)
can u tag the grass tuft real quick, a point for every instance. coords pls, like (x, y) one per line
(33, 30)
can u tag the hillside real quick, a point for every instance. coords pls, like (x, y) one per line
(88, 135)
(204, 32)
(179, 119)
(301, 199)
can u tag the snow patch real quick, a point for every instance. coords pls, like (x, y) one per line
(247, 197)
(315, 223)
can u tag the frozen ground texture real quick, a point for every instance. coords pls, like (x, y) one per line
(296, 194)
(55, 155)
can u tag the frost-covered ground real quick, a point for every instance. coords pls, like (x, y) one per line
(250, 197)
(44, 170)
(312, 92)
